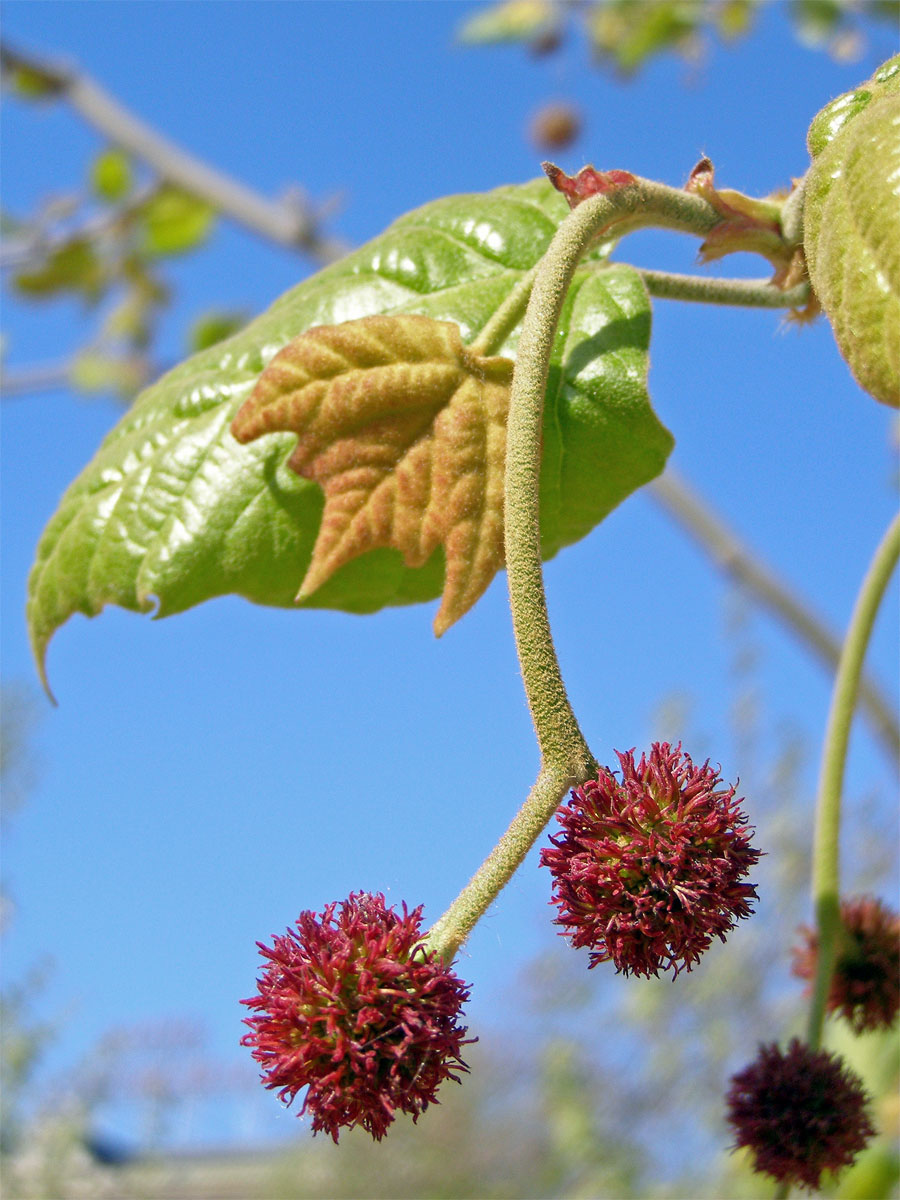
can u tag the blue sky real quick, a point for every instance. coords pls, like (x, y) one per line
(208, 776)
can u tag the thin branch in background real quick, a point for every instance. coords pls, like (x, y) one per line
(289, 222)
(735, 559)
(28, 381)
(41, 240)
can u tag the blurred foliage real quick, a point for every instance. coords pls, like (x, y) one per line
(173, 222)
(624, 35)
(106, 243)
(23, 1037)
(111, 175)
(30, 82)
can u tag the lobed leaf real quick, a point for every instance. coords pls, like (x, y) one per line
(405, 430)
(851, 215)
(173, 511)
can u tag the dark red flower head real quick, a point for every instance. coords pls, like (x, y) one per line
(799, 1113)
(647, 870)
(865, 986)
(353, 1009)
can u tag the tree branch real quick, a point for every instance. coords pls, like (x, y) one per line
(289, 222)
(735, 559)
(25, 381)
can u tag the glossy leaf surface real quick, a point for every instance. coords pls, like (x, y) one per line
(852, 227)
(173, 510)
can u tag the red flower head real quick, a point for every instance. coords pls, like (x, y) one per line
(353, 1009)
(800, 1113)
(647, 871)
(865, 986)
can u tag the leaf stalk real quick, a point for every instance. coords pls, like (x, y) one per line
(826, 841)
(566, 758)
(740, 293)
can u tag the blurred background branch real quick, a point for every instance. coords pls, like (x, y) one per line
(734, 558)
(290, 222)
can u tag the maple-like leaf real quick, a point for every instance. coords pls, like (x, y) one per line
(404, 428)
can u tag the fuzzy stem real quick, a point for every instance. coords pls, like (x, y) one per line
(504, 320)
(566, 758)
(452, 929)
(746, 293)
(826, 845)
(563, 747)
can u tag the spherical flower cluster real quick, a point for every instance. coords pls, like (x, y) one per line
(648, 870)
(799, 1113)
(351, 1007)
(865, 986)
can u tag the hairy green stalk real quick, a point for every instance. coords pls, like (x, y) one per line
(741, 293)
(566, 758)
(826, 844)
(504, 320)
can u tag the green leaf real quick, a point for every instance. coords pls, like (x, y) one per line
(73, 266)
(174, 221)
(851, 215)
(111, 174)
(173, 510)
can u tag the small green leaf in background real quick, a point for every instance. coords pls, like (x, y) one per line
(111, 174)
(851, 214)
(73, 266)
(30, 83)
(214, 326)
(629, 34)
(173, 508)
(735, 17)
(174, 221)
(510, 21)
(95, 373)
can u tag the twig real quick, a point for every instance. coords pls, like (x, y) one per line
(729, 553)
(290, 222)
(747, 293)
(25, 381)
(40, 240)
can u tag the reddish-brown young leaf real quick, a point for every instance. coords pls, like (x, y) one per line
(405, 431)
(588, 182)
